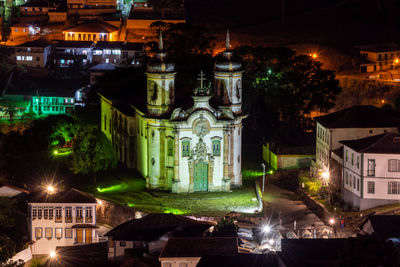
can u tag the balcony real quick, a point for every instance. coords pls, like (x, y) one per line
(68, 219)
(371, 172)
(79, 220)
(58, 219)
(89, 219)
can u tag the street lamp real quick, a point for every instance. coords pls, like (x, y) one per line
(50, 189)
(266, 228)
(53, 254)
(263, 165)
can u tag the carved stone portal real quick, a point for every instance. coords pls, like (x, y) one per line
(197, 155)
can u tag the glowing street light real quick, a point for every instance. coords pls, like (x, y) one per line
(271, 242)
(266, 228)
(325, 175)
(53, 254)
(50, 189)
(331, 221)
(314, 55)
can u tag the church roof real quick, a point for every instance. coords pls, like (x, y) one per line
(155, 225)
(95, 26)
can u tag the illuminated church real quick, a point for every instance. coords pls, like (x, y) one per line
(178, 149)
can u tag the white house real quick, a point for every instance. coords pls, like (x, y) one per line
(371, 171)
(33, 53)
(348, 124)
(379, 56)
(61, 219)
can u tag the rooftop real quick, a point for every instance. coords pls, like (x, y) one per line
(385, 225)
(362, 116)
(36, 43)
(385, 47)
(150, 14)
(198, 247)
(95, 26)
(36, 4)
(387, 143)
(121, 45)
(74, 44)
(155, 225)
(103, 67)
(70, 196)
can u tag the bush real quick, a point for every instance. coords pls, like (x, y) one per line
(311, 185)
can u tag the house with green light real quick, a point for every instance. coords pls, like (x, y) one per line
(53, 102)
(182, 146)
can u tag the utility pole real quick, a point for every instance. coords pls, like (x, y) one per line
(263, 165)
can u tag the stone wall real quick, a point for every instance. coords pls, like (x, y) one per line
(114, 214)
(315, 207)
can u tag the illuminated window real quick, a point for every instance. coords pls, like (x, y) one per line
(19, 58)
(38, 232)
(107, 52)
(68, 214)
(170, 147)
(68, 233)
(216, 147)
(185, 148)
(34, 213)
(40, 213)
(51, 211)
(116, 52)
(88, 215)
(79, 217)
(49, 232)
(58, 215)
(28, 58)
(58, 233)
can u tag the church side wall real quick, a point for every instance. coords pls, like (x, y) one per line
(106, 113)
(141, 145)
(237, 155)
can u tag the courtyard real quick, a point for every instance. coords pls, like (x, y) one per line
(127, 188)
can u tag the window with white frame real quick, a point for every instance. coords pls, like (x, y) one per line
(68, 232)
(40, 212)
(358, 184)
(45, 212)
(38, 232)
(347, 178)
(350, 180)
(51, 213)
(49, 232)
(29, 58)
(394, 165)
(34, 213)
(358, 162)
(393, 188)
(88, 214)
(347, 155)
(58, 233)
(107, 52)
(68, 214)
(371, 187)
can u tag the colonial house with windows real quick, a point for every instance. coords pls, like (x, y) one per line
(64, 218)
(371, 168)
(379, 57)
(183, 147)
(55, 102)
(118, 53)
(70, 52)
(33, 53)
(23, 31)
(92, 30)
(348, 124)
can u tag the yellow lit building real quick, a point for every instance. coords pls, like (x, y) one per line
(95, 30)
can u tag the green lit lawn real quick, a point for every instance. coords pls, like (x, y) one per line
(127, 188)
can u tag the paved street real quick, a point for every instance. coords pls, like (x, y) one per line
(284, 204)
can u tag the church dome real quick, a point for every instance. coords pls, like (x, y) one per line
(159, 64)
(226, 64)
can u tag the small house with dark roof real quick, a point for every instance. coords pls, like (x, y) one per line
(61, 218)
(118, 53)
(92, 30)
(150, 233)
(348, 124)
(23, 30)
(188, 251)
(383, 56)
(35, 8)
(33, 54)
(371, 168)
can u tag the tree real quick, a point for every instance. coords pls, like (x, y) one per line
(93, 152)
(11, 111)
(281, 86)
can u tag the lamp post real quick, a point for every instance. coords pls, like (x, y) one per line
(263, 165)
(325, 175)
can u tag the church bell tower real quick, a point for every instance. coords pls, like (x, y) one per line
(160, 83)
(228, 80)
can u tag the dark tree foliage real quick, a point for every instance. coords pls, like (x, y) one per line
(190, 48)
(92, 152)
(281, 88)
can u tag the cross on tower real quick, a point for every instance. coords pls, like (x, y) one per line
(201, 79)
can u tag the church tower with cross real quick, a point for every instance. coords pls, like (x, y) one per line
(182, 150)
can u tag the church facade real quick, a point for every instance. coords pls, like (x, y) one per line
(176, 149)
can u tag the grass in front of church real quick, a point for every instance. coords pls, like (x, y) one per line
(127, 188)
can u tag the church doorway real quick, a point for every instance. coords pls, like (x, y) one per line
(200, 176)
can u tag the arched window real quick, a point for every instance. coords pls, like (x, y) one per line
(216, 147)
(238, 88)
(185, 148)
